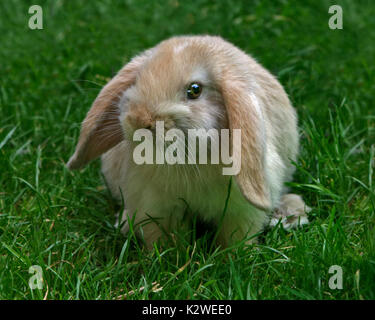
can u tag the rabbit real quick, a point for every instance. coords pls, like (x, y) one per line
(201, 82)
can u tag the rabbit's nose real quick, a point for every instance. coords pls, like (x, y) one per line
(138, 121)
(140, 118)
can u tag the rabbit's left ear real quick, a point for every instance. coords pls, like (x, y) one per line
(101, 129)
(244, 113)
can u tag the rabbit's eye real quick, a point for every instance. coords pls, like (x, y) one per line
(194, 90)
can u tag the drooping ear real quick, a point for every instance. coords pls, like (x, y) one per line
(101, 129)
(244, 113)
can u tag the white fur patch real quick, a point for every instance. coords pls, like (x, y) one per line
(256, 105)
(175, 109)
(201, 75)
(181, 47)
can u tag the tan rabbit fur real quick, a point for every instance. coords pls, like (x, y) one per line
(237, 93)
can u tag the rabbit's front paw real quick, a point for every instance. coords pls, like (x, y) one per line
(292, 212)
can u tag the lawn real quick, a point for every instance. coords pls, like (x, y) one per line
(63, 221)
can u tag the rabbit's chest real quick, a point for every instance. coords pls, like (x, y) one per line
(204, 190)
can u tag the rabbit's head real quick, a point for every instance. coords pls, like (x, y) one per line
(188, 83)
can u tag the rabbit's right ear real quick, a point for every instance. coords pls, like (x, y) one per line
(245, 114)
(101, 129)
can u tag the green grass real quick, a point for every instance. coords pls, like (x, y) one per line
(63, 220)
